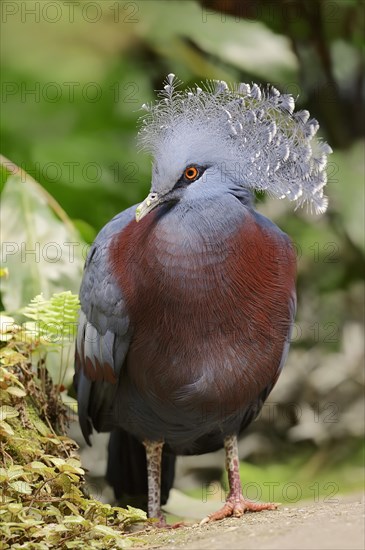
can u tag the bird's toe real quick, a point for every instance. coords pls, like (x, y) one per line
(249, 506)
(237, 507)
(161, 523)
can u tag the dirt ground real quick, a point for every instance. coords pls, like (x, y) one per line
(307, 526)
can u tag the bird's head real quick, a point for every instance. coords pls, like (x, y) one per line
(218, 139)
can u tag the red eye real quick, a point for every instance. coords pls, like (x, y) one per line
(191, 173)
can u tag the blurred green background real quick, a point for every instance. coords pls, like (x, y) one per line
(74, 75)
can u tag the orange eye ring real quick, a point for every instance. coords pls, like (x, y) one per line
(191, 173)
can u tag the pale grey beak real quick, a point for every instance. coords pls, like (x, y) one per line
(150, 202)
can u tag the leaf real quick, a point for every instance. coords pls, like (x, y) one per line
(59, 527)
(35, 233)
(7, 327)
(250, 46)
(67, 468)
(3, 474)
(74, 495)
(72, 507)
(41, 428)
(53, 511)
(346, 189)
(5, 428)
(74, 519)
(7, 412)
(56, 460)
(15, 507)
(17, 392)
(74, 462)
(15, 471)
(55, 319)
(11, 357)
(52, 439)
(21, 487)
(39, 467)
(105, 530)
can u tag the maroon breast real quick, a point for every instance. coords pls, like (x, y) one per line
(210, 316)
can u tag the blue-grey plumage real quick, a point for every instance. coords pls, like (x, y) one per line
(188, 299)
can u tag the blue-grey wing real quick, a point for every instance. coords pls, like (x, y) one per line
(103, 332)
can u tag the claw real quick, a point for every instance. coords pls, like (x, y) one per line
(235, 509)
(236, 505)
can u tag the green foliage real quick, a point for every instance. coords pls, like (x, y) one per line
(78, 167)
(82, 93)
(347, 193)
(43, 498)
(51, 332)
(47, 343)
(54, 317)
(54, 326)
(42, 250)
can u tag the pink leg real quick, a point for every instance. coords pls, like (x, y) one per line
(236, 505)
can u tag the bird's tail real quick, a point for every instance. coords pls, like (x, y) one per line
(127, 470)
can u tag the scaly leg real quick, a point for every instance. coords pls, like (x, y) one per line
(236, 505)
(154, 456)
(154, 460)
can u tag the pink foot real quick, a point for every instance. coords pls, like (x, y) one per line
(236, 507)
(162, 524)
